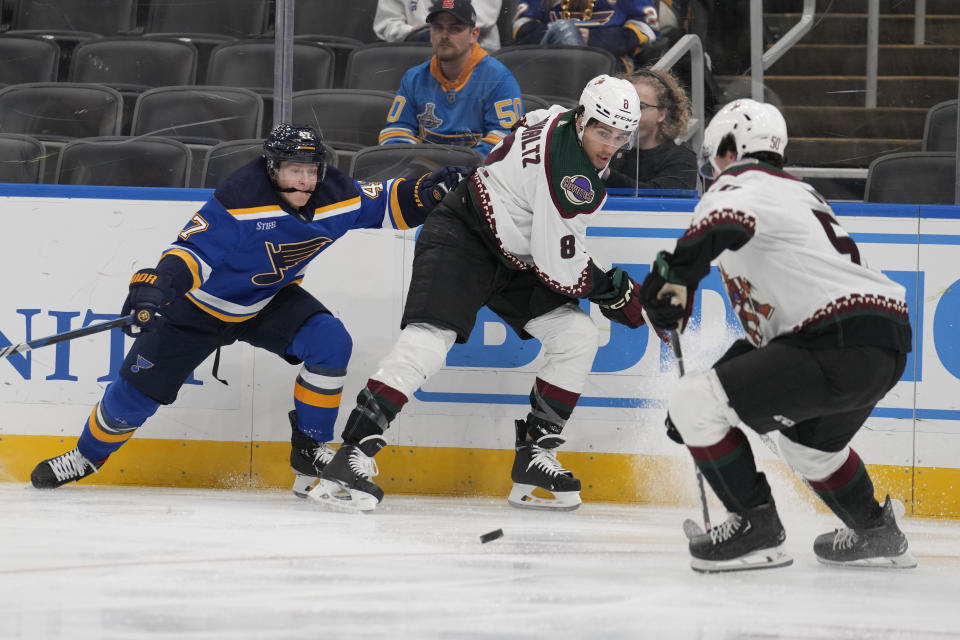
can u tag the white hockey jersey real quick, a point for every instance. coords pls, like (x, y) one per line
(786, 263)
(537, 191)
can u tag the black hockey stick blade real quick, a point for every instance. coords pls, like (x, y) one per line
(14, 349)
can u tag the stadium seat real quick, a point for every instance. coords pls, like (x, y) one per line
(555, 70)
(234, 18)
(916, 177)
(199, 116)
(381, 66)
(409, 160)
(56, 112)
(341, 46)
(331, 17)
(105, 17)
(226, 157)
(203, 114)
(66, 40)
(532, 102)
(133, 65)
(250, 64)
(28, 59)
(350, 119)
(59, 110)
(204, 42)
(564, 101)
(22, 158)
(124, 161)
(940, 127)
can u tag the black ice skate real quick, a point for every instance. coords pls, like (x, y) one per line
(307, 458)
(536, 471)
(749, 541)
(67, 467)
(346, 483)
(883, 545)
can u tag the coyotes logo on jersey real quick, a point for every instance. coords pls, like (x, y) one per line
(747, 308)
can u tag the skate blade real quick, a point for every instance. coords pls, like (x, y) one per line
(760, 559)
(524, 496)
(903, 561)
(303, 484)
(332, 496)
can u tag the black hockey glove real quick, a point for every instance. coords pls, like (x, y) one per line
(621, 304)
(148, 292)
(433, 186)
(663, 313)
(672, 432)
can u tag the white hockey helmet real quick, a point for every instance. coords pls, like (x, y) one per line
(755, 126)
(611, 101)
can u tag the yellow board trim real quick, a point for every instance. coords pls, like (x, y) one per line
(606, 477)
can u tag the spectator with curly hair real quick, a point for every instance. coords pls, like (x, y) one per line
(656, 161)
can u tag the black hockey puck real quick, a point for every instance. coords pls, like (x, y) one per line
(492, 535)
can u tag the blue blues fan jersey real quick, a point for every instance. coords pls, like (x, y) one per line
(622, 27)
(477, 109)
(245, 243)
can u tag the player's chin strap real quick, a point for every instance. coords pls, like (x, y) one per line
(294, 190)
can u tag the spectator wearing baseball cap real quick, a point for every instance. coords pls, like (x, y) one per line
(406, 20)
(461, 96)
(462, 10)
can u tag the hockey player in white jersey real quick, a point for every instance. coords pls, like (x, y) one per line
(513, 237)
(827, 338)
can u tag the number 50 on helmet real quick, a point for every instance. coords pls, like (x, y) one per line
(752, 127)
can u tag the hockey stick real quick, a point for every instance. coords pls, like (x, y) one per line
(14, 349)
(678, 355)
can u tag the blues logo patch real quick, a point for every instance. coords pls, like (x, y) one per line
(577, 189)
(142, 363)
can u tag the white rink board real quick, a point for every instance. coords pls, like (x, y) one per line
(72, 257)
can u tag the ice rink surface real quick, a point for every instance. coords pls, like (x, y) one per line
(123, 562)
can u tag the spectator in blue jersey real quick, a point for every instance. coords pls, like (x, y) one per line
(233, 273)
(656, 161)
(461, 96)
(622, 27)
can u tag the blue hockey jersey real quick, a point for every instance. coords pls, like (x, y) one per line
(622, 27)
(246, 243)
(477, 109)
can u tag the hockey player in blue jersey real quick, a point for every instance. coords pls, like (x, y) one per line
(461, 96)
(234, 273)
(621, 27)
